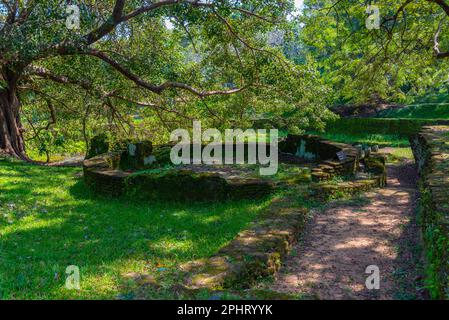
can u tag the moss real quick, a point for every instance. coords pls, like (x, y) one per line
(98, 145)
(138, 155)
(177, 185)
(432, 159)
(327, 191)
(162, 154)
(325, 151)
(375, 165)
(248, 189)
(254, 253)
(186, 185)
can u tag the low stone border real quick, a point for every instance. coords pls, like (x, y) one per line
(254, 253)
(102, 178)
(431, 150)
(326, 191)
(102, 174)
(376, 177)
(175, 184)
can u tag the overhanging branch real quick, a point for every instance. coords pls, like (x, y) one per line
(158, 89)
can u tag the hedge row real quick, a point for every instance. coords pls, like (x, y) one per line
(401, 127)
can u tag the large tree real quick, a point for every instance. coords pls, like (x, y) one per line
(123, 51)
(404, 54)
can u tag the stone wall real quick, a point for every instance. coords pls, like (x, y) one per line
(113, 174)
(375, 176)
(431, 150)
(317, 149)
(102, 176)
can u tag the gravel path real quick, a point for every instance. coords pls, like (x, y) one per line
(342, 240)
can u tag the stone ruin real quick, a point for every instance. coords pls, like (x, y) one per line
(140, 170)
(145, 171)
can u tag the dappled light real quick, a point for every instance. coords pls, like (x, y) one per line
(49, 221)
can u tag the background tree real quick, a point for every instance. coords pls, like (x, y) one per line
(404, 57)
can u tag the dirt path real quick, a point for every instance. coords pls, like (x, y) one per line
(342, 240)
(69, 162)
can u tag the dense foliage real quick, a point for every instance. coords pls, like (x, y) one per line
(400, 59)
(144, 68)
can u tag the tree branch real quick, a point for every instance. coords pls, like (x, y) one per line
(44, 73)
(436, 43)
(442, 4)
(109, 25)
(117, 16)
(158, 89)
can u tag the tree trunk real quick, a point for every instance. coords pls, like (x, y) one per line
(11, 137)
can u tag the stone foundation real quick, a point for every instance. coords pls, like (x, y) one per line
(315, 148)
(102, 176)
(112, 173)
(374, 177)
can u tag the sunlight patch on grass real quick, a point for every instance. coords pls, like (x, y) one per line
(382, 140)
(403, 153)
(49, 220)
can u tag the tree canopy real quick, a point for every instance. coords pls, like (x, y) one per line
(146, 67)
(403, 56)
(70, 69)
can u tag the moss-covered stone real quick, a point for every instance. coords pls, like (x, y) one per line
(248, 188)
(254, 253)
(98, 145)
(430, 148)
(311, 147)
(137, 156)
(180, 185)
(375, 164)
(186, 185)
(161, 154)
(324, 190)
(102, 178)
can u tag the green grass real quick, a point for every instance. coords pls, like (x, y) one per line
(428, 106)
(383, 140)
(402, 153)
(420, 111)
(48, 221)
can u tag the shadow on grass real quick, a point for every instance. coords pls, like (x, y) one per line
(67, 225)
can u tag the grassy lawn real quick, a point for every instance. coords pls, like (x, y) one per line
(383, 140)
(402, 153)
(420, 111)
(48, 221)
(429, 106)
